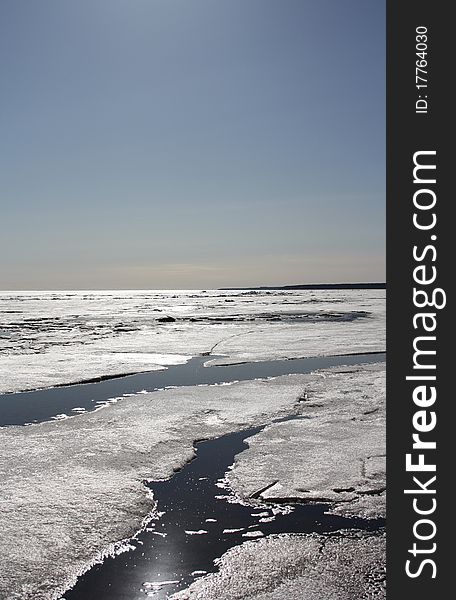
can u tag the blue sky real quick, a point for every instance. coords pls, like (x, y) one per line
(191, 143)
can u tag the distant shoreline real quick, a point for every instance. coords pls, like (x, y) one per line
(315, 286)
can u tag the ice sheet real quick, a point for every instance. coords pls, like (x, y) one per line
(335, 455)
(51, 338)
(297, 567)
(71, 489)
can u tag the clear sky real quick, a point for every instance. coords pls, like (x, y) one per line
(191, 143)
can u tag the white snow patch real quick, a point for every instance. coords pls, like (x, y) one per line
(233, 530)
(253, 534)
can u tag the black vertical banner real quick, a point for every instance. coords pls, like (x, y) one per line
(420, 436)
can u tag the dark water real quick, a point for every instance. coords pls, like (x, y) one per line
(43, 405)
(187, 500)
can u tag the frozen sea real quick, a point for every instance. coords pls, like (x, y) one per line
(55, 338)
(73, 489)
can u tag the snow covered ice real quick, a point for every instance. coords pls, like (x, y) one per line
(336, 454)
(55, 338)
(72, 489)
(297, 567)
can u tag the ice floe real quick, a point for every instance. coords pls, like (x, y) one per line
(57, 338)
(344, 566)
(253, 534)
(335, 456)
(74, 487)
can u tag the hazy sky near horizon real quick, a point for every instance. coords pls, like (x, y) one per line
(191, 143)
